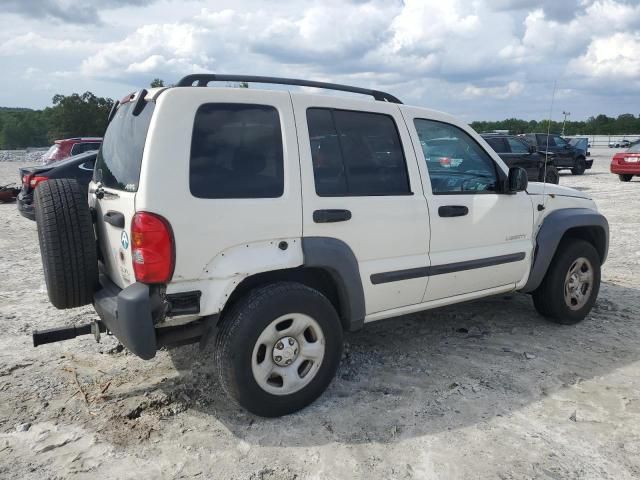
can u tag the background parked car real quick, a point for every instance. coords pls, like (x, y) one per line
(566, 156)
(627, 164)
(68, 147)
(79, 167)
(620, 143)
(516, 152)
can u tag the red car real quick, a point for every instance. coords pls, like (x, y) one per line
(62, 149)
(627, 164)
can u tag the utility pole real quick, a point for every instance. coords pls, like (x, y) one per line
(566, 114)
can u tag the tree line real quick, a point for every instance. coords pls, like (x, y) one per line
(624, 124)
(76, 115)
(85, 115)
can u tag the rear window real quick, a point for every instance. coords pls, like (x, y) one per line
(236, 152)
(84, 147)
(120, 156)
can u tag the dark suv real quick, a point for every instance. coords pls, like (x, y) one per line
(516, 152)
(566, 156)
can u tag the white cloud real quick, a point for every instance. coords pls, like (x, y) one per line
(616, 57)
(511, 89)
(453, 55)
(174, 48)
(30, 42)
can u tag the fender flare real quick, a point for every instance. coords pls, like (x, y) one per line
(336, 258)
(551, 232)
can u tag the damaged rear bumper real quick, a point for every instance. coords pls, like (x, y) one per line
(128, 314)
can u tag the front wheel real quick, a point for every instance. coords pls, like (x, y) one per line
(571, 285)
(278, 348)
(625, 177)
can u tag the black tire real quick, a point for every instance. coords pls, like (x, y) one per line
(581, 166)
(240, 331)
(625, 177)
(549, 298)
(553, 176)
(67, 242)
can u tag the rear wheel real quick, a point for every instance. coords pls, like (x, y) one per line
(571, 285)
(67, 242)
(552, 176)
(278, 348)
(580, 166)
(625, 177)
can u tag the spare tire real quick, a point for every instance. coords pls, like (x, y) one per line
(67, 242)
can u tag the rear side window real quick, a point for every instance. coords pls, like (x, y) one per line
(518, 146)
(236, 152)
(542, 141)
(120, 156)
(356, 154)
(498, 144)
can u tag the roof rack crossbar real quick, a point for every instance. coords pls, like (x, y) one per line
(203, 79)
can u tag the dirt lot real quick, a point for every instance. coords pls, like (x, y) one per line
(481, 390)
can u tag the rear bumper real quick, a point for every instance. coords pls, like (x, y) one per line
(626, 168)
(25, 206)
(131, 315)
(128, 314)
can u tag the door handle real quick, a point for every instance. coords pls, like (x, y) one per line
(331, 216)
(453, 211)
(114, 218)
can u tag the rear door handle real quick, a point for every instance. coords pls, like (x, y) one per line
(114, 218)
(331, 216)
(453, 211)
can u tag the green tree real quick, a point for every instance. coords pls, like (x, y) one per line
(157, 82)
(77, 116)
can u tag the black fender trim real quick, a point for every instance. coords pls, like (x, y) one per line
(553, 228)
(337, 258)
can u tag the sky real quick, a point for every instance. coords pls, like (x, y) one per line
(478, 59)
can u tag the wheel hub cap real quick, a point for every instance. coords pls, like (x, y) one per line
(288, 354)
(578, 284)
(285, 351)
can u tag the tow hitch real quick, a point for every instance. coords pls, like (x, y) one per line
(51, 335)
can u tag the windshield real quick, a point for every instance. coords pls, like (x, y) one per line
(53, 149)
(120, 156)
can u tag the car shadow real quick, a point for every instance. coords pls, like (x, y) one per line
(438, 370)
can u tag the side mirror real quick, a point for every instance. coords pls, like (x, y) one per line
(518, 180)
(533, 149)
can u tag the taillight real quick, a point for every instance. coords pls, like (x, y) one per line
(35, 180)
(152, 248)
(25, 179)
(445, 162)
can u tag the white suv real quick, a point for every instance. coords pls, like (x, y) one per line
(272, 221)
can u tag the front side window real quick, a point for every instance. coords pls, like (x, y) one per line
(456, 163)
(236, 152)
(517, 146)
(356, 153)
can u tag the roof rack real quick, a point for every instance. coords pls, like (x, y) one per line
(203, 79)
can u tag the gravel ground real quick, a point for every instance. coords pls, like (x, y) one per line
(481, 390)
